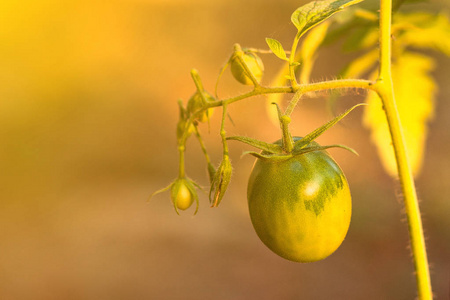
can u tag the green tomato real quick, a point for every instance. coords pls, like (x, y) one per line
(254, 64)
(300, 207)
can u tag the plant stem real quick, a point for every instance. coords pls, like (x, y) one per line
(302, 89)
(222, 131)
(384, 88)
(181, 172)
(293, 79)
(293, 103)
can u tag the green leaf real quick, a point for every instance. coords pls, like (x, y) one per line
(309, 15)
(270, 148)
(276, 48)
(300, 144)
(424, 30)
(364, 37)
(414, 90)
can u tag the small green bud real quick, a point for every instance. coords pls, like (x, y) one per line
(254, 64)
(220, 182)
(183, 194)
(181, 128)
(196, 103)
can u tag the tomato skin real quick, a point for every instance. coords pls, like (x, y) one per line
(300, 207)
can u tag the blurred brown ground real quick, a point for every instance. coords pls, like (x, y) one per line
(88, 112)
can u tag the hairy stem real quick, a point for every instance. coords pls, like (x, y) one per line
(384, 88)
(202, 145)
(222, 131)
(292, 76)
(302, 88)
(293, 104)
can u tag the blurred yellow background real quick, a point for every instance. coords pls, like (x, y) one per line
(88, 111)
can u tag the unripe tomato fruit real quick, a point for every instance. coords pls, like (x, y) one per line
(300, 207)
(254, 64)
(182, 197)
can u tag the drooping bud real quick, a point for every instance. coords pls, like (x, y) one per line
(197, 102)
(254, 65)
(183, 194)
(220, 181)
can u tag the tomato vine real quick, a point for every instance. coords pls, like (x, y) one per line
(247, 67)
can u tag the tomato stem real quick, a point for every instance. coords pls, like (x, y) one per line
(197, 80)
(292, 76)
(223, 132)
(181, 171)
(301, 89)
(384, 88)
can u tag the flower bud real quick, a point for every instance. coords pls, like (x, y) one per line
(196, 103)
(183, 194)
(220, 182)
(254, 64)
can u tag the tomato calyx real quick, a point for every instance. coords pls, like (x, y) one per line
(296, 152)
(301, 145)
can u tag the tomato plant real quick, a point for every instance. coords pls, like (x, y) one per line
(299, 199)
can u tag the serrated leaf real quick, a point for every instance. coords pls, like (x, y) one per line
(276, 48)
(300, 144)
(270, 148)
(309, 15)
(414, 90)
(424, 30)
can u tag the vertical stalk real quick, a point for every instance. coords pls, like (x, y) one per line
(384, 88)
(181, 172)
(292, 76)
(222, 131)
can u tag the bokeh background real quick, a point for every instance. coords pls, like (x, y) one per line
(88, 111)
